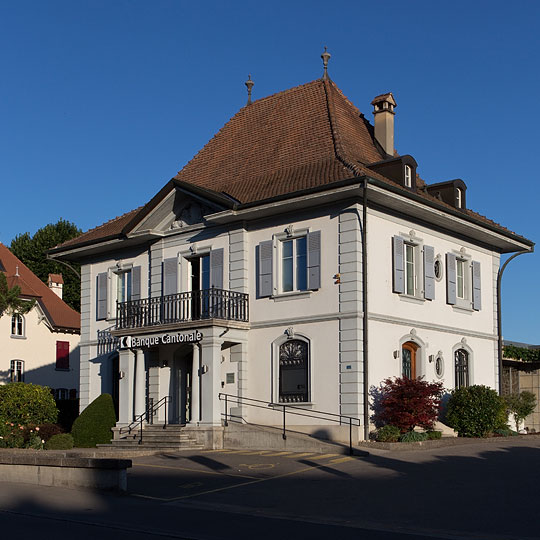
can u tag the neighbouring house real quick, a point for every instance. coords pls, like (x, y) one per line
(521, 371)
(298, 260)
(41, 346)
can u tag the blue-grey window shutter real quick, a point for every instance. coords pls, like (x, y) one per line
(429, 272)
(170, 276)
(314, 260)
(136, 283)
(399, 265)
(216, 268)
(266, 287)
(450, 278)
(476, 286)
(101, 304)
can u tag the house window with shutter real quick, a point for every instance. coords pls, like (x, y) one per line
(413, 268)
(463, 282)
(121, 283)
(290, 263)
(62, 355)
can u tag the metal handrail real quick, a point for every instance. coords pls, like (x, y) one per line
(285, 408)
(148, 414)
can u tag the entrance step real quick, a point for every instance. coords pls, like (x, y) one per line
(154, 437)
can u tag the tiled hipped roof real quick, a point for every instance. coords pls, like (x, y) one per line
(304, 137)
(61, 316)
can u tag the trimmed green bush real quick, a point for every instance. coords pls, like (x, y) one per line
(27, 404)
(433, 435)
(475, 411)
(11, 435)
(61, 441)
(413, 436)
(505, 432)
(388, 433)
(94, 424)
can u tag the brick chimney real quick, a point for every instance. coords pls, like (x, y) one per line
(383, 114)
(56, 284)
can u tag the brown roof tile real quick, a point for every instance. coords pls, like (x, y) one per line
(58, 312)
(304, 137)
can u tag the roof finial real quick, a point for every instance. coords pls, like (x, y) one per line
(325, 57)
(249, 84)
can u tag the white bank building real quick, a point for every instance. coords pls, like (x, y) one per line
(296, 260)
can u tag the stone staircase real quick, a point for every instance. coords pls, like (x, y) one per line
(155, 438)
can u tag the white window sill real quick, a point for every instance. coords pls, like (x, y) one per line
(300, 405)
(412, 299)
(293, 295)
(463, 308)
(13, 336)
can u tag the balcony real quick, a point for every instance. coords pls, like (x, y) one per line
(183, 307)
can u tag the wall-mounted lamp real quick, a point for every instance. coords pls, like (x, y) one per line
(396, 354)
(431, 358)
(121, 375)
(337, 278)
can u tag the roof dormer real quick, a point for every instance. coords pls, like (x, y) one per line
(452, 192)
(401, 170)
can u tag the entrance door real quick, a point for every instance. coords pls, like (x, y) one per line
(182, 381)
(408, 359)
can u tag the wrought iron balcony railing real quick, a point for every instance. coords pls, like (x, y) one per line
(183, 307)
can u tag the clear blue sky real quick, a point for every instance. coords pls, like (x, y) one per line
(102, 102)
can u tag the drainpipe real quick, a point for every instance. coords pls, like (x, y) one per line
(365, 310)
(499, 310)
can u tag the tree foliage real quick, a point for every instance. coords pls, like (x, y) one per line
(9, 298)
(520, 405)
(407, 403)
(27, 404)
(32, 251)
(521, 353)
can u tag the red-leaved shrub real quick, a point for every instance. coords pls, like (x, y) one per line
(407, 403)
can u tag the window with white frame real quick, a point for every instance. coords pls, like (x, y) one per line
(463, 281)
(410, 269)
(459, 197)
(294, 264)
(408, 176)
(294, 371)
(16, 369)
(123, 286)
(17, 325)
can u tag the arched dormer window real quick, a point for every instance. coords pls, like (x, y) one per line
(459, 198)
(17, 325)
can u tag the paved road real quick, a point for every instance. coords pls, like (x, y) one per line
(486, 491)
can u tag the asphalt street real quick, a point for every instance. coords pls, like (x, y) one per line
(482, 490)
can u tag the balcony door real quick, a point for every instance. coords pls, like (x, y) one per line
(200, 285)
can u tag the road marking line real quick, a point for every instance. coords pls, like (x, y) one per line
(304, 454)
(192, 470)
(323, 456)
(341, 460)
(275, 454)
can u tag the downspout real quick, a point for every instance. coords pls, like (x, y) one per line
(499, 310)
(365, 311)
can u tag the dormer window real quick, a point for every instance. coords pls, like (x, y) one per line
(408, 176)
(459, 198)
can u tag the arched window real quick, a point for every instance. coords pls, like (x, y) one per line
(16, 369)
(408, 359)
(17, 325)
(461, 368)
(294, 371)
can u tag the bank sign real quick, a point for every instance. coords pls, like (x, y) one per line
(135, 342)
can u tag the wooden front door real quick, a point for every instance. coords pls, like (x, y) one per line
(408, 360)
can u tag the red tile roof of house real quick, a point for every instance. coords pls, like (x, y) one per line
(61, 316)
(305, 137)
